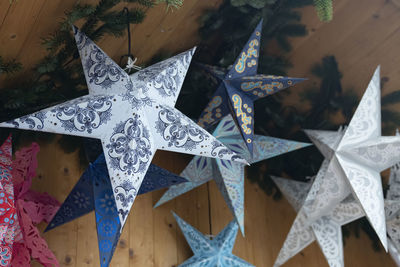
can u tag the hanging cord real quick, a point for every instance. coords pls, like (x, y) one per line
(131, 59)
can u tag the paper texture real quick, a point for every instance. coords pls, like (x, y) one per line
(215, 252)
(229, 176)
(239, 87)
(133, 116)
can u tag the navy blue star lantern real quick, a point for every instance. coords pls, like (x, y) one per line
(211, 253)
(93, 191)
(239, 87)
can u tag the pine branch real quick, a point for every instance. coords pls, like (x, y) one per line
(58, 76)
(145, 3)
(253, 3)
(324, 9)
(9, 67)
(391, 98)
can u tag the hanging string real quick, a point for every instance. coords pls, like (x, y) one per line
(131, 59)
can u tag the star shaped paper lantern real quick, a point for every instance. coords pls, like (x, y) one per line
(354, 159)
(93, 191)
(133, 116)
(8, 211)
(21, 209)
(392, 209)
(327, 229)
(240, 86)
(216, 252)
(229, 176)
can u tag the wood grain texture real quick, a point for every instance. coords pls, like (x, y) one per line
(151, 236)
(363, 34)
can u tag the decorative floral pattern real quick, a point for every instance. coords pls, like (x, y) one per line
(85, 117)
(130, 147)
(392, 210)
(21, 209)
(108, 227)
(165, 77)
(329, 236)
(106, 203)
(34, 122)
(78, 202)
(379, 156)
(80, 38)
(105, 245)
(329, 193)
(230, 182)
(366, 121)
(394, 252)
(216, 109)
(247, 61)
(294, 191)
(248, 58)
(157, 178)
(263, 85)
(125, 193)
(131, 95)
(329, 205)
(358, 158)
(5, 255)
(81, 200)
(327, 229)
(218, 149)
(177, 131)
(393, 192)
(245, 115)
(5, 174)
(367, 185)
(207, 117)
(297, 239)
(8, 210)
(114, 99)
(240, 87)
(228, 175)
(215, 252)
(95, 187)
(101, 70)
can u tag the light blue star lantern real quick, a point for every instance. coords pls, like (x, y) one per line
(229, 176)
(211, 253)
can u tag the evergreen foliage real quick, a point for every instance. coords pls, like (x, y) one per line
(224, 33)
(324, 9)
(58, 76)
(9, 67)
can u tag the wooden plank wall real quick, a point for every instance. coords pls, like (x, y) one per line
(363, 34)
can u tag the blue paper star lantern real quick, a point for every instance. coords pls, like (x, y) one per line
(211, 253)
(239, 87)
(93, 191)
